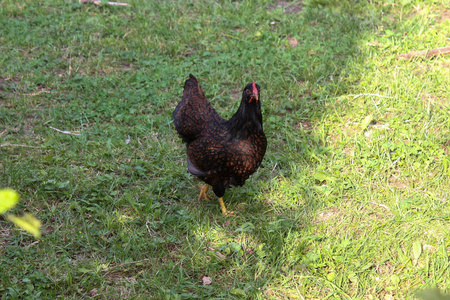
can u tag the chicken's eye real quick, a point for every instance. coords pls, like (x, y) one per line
(248, 92)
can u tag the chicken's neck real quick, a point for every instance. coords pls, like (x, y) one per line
(247, 120)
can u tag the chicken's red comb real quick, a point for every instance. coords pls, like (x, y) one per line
(255, 90)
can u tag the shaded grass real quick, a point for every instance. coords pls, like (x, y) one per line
(335, 211)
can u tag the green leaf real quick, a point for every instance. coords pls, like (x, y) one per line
(352, 277)
(246, 227)
(28, 223)
(367, 266)
(432, 294)
(63, 184)
(322, 176)
(238, 292)
(367, 120)
(235, 247)
(417, 250)
(395, 279)
(8, 199)
(331, 276)
(405, 2)
(84, 270)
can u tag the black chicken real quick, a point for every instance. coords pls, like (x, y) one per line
(220, 152)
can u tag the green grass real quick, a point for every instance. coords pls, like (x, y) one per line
(337, 210)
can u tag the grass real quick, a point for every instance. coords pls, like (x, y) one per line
(340, 208)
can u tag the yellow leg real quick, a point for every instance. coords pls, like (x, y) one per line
(204, 192)
(222, 206)
(225, 212)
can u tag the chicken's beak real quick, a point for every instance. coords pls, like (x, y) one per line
(255, 93)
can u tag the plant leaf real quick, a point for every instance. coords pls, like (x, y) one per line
(367, 120)
(238, 292)
(8, 199)
(28, 223)
(331, 276)
(322, 176)
(417, 250)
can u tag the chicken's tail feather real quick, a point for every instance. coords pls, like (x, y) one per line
(192, 83)
(193, 111)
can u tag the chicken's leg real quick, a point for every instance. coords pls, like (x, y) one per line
(225, 212)
(204, 192)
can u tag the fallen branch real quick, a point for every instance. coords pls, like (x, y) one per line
(368, 94)
(17, 145)
(65, 131)
(98, 2)
(425, 53)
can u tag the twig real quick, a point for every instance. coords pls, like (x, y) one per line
(376, 106)
(128, 263)
(148, 229)
(376, 126)
(65, 131)
(380, 126)
(220, 255)
(380, 205)
(32, 244)
(17, 145)
(3, 132)
(368, 94)
(98, 2)
(425, 53)
(396, 161)
(37, 93)
(273, 169)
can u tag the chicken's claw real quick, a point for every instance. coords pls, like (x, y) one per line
(204, 193)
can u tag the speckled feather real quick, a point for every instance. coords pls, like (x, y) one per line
(220, 152)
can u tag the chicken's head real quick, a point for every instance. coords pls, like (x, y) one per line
(251, 92)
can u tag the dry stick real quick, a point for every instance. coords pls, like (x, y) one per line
(425, 53)
(17, 145)
(369, 94)
(380, 205)
(98, 2)
(126, 263)
(64, 131)
(3, 132)
(37, 93)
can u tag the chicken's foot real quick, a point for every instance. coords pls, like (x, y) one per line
(204, 193)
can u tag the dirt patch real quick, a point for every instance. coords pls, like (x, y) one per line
(305, 125)
(444, 15)
(288, 7)
(331, 214)
(439, 101)
(236, 94)
(60, 72)
(125, 67)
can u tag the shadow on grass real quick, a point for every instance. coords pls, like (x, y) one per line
(251, 254)
(122, 208)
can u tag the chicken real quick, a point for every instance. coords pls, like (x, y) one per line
(220, 152)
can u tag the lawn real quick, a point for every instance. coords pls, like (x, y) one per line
(351, 199)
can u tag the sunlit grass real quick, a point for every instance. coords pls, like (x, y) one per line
(350, 201)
